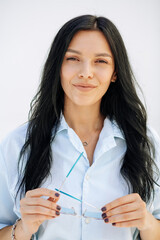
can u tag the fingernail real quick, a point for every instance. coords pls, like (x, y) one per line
(57, 213)
(104, 215)
(58, 207)
(57, 194)
(51, 199)
(113, 224)
(103, 209)
(106, 220)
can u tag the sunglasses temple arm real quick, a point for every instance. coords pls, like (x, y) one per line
(91, 205)
(62, 184)
(70, 171)
(74, 164)
(77, 199)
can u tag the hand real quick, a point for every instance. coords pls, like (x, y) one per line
(127, 211)
(34, 209)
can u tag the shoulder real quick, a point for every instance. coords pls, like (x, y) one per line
(11, 146)
(18, 135)
(154, 138)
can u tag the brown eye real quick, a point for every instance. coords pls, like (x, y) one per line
(72, 59)
(101, 61)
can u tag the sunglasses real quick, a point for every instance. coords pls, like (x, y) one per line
(71, 211)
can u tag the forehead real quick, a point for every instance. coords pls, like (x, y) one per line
(93, 40)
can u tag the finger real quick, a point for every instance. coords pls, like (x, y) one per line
(34, 210)
(37, 218)
(121, 201)
(39, 192)
(53, 199)
(133, 223)
(136, 215)
(123, 209)
(39, 202)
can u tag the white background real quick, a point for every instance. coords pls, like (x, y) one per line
(28, 27)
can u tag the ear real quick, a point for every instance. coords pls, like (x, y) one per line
(114, 77)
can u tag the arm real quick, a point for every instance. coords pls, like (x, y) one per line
(34, 211)
(7, 215)
(153, 231)
(131, 211)
(5, 233)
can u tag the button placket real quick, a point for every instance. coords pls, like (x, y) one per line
(87, 177)
(87, 220)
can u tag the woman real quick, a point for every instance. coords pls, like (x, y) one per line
(86, 150)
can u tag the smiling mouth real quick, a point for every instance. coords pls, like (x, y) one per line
(84, 87)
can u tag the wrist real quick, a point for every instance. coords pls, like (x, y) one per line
(151, 230)
(20, 233)
(14, 228)
(148, 222)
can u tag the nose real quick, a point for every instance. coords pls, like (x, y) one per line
(86, 72)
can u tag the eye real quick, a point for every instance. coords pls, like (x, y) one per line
(72, 59)
(101, 61)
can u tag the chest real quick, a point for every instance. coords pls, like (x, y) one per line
(90, 148)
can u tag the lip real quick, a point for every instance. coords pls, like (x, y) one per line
(84, 87)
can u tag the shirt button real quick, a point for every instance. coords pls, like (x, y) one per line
(87, 220)
(87, 177)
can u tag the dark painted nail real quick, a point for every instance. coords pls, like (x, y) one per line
(57, 213)
(58, 207)
(113, 224)
(106, 220)
(103, 209)
(104, 215)
(57, 194)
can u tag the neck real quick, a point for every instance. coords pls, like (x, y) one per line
(84, 119)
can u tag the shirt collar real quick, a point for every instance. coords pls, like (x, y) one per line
(111, 127)
(62, 124)
(116, 130)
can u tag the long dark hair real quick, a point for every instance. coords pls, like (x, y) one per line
(119, 102)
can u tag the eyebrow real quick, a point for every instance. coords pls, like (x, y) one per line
(97, 54)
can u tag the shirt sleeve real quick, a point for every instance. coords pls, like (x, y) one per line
(156, 203)
(7, 215)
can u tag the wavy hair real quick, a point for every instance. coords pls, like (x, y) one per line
(120, 102)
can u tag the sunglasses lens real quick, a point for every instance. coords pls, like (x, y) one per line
(69, 211)
(96, 215)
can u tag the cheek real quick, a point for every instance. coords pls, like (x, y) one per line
(104, 74)
(68, 73)
(105, 81)
(65, 76)
(66, 80)
(64, 83)
(69, 70)
(103, 89)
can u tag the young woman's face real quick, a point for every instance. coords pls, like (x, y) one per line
(87, 68)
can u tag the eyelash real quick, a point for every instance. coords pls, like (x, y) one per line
(75, 59)
(102, 61)
(71, 58)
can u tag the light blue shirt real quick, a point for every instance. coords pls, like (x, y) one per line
(97, 184)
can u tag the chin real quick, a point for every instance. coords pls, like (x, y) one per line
(84, 103)
(81, 101)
